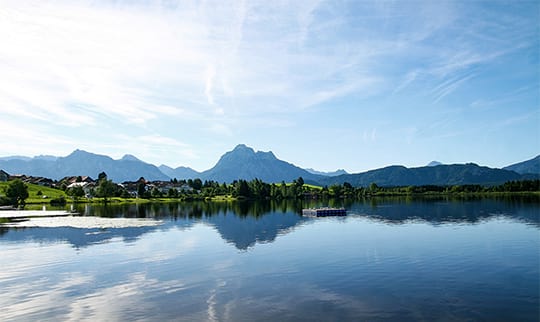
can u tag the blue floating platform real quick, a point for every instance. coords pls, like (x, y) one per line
(324, 212)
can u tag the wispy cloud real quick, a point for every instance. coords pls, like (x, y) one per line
(206, 71)
(449, 86)
(497, 99)
(115, 59)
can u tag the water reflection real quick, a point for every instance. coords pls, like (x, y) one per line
(389, 260)
(77, 237)
(245, 224)
(448, 210)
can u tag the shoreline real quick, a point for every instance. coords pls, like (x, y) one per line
(118, 200)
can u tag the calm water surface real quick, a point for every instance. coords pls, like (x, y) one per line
(388, 260)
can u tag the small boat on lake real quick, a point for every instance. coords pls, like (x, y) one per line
(324, 212)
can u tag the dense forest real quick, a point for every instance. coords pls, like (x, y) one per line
(257, 189)
(16, 192)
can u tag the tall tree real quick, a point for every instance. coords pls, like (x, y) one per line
(17, 191)
(102, 176)
(106, 189)
(197, 184)
(141, 189)
(75, 192)
(242, 188)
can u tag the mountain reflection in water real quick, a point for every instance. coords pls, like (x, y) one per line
(245, 224)
(388, 260)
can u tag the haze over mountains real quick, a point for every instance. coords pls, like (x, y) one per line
(244, 163)
(180, 172)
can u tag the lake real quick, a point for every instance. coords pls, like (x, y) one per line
(387, 260)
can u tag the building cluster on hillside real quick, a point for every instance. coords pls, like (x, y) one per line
(89, 185)
(163, 187)
(45, 182)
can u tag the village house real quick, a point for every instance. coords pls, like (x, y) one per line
(87, 187)
(73, 179)
(165, 186)
(132, 187)
(45, 182)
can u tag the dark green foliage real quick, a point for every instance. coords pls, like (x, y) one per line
(5, 201)
(60, 201)
(102, 176)
(172, 193)
(196, 184)
(156, 193)
(125, 194)
(373, 187)
(524, 185)
(17, 192)
(75, 192)
(141, 190)
(242, 189)
(335, 190)
(106, 188)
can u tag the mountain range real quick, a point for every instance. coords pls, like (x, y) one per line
(244, 163)
(180, 172)
(529, 166)
(84, 164)
(454, 174)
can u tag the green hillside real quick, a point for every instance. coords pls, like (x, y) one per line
(33, 193)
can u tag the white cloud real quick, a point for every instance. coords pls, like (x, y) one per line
(210, 74)
(152, 148)
(119, 61)
(204, 71)
(100, 57)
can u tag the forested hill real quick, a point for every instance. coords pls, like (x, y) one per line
(455, 174)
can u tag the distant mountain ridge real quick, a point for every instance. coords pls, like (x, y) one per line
(129, 157)
(180, 172)
(530, 166)
(442, 175)
(244, 163)
(84, 163)
(327, 174)
(434, 164)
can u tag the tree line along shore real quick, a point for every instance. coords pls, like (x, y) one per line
(19, 191)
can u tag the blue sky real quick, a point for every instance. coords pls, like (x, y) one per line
(323, 84)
